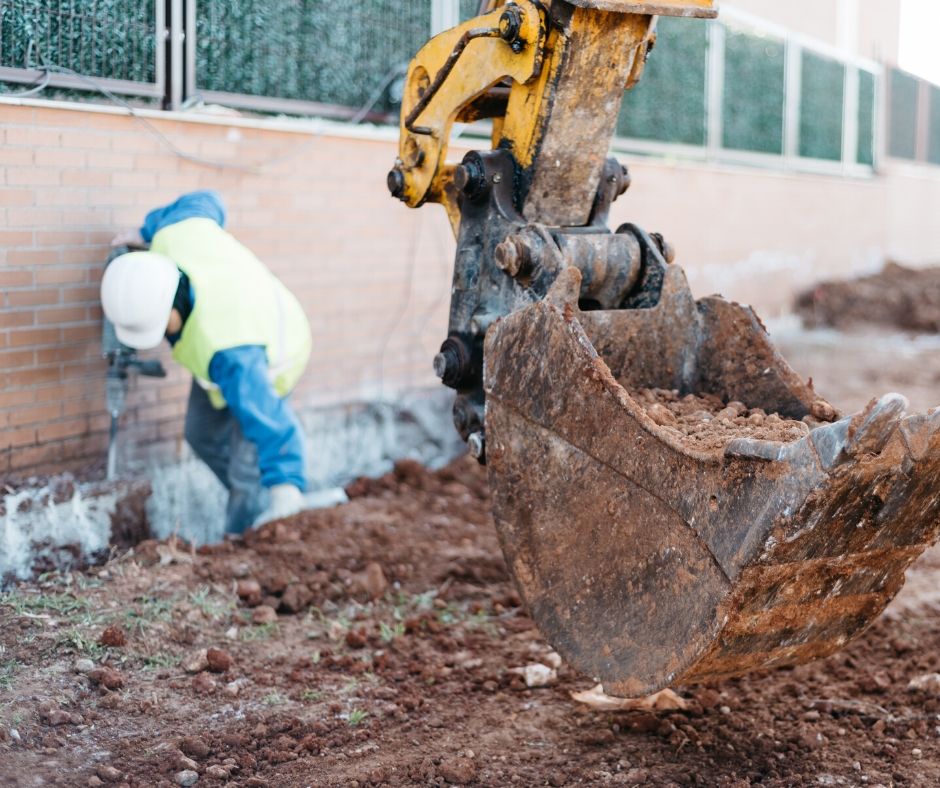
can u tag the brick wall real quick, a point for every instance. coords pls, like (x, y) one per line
(373, 276)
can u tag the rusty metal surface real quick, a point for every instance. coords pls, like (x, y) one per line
(647, 564)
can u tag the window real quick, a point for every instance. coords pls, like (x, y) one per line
(902, 136)
(822, 99)
(668, 104)
(755, 78)
(866, 118)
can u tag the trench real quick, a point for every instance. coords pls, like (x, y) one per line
(64, 522)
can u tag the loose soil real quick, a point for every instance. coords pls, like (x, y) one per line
(897, 296)
(374, 644)
(706, 423)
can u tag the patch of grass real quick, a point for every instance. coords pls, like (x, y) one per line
(260, 631)
(161, 660)
(8, 670)
(356, 716)
(274, 698)
(210, 604)
(151, 611)
(78, 642)
(311, 695)
(389, 633)
(37, 604)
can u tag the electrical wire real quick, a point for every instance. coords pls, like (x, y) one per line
(51, 68)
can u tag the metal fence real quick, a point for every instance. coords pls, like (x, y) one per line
(739, 89)
(743, 90)
(55, 43)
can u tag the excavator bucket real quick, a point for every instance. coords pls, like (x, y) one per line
(677, 505)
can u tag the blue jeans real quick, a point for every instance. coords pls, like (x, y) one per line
(217, 439)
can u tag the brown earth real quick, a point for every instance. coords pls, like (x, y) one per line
(905, 298)
(375, 644)
(706, 423)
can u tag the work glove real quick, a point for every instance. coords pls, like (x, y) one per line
(285, 500)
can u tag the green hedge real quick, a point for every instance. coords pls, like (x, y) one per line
(319, 50)
(105, 38)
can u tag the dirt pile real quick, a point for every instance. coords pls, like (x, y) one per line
(382, 643)
(705, 423)
(904, 298)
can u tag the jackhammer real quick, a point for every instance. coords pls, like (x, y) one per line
(123, 368)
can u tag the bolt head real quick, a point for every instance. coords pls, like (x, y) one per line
(395, 180)
(507, 257)
(477, 444)
(440, 365)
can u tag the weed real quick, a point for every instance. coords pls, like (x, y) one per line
(312, 695)
(8, 669)
(152, 611)
(274, 698)
(77, 642)
(260, 632)
(161, 660)
(211, 605)
(356, 716)
(389, 633)
(36, 604)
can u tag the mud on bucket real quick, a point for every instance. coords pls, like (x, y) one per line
(653, 551)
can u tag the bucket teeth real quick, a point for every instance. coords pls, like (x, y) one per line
(877, 422)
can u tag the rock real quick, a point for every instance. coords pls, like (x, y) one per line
(707, 698)
(186, 777)
(263, 614)
(113, 637)
(94, 781)
(218, 772)
(356, 638)
(194, 746)
(219, 661)
(249, 591)
(204, 684)
(197, 662)
(371, 581)
(458, 770)
(108, 774)
(660, 414)
(182, 762)
(106, 677)
(56, 717)
(537, 674)
(296, 597)
(928, 683)
(83, 665)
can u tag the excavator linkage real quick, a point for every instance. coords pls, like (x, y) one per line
(653, 547)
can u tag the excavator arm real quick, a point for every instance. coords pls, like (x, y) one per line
(656, 542)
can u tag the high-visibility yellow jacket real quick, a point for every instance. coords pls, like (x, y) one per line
(237, 302)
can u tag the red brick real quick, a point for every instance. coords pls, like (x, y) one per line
(72, 295)
(11, 359)
(59, 157)
(31, 136)
(16, 196)
(13, 278)
(74, 314)
(33, 336)
(76, 137)
(10, 319)
(62, 429)
(32, 176)
(32, 256)
(17, 298)
(11, 439)
(53, 275)
(16, 156)
(97, 178)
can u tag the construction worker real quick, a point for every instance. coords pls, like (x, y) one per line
(238, 330)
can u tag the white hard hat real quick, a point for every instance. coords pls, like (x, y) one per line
(137, 294)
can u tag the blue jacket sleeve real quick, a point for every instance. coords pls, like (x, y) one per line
(241, 373)
(204, 204)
